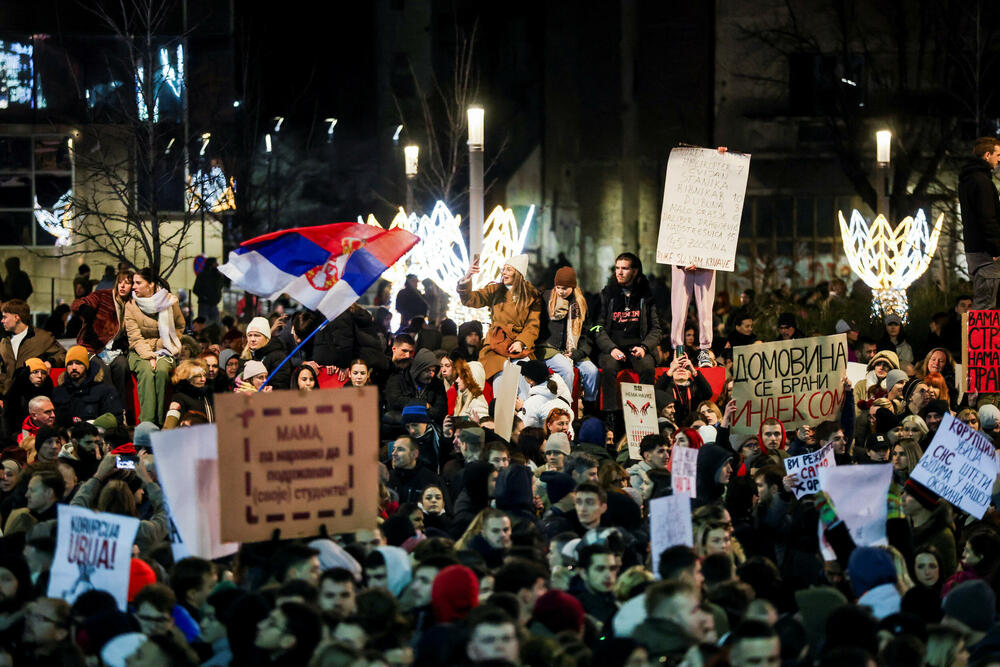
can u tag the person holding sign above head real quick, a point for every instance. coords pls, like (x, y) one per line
(687, 282)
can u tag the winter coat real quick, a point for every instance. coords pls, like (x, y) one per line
(861, 388)
(36, 343)
(685, 398)
(465, 402)
(402, 388)
(144, 332)
(102, 313)
(349, 336)
(664, 639)
(15, 405)
(711, 459)
(410, 303)
(612, 296)
(85, 401)
(521, 319)
(980, 208)
(208, 285)
(409, 482)
(271, 355)
(153, 531)
(188, 397)
(937, 533)
(553, 332)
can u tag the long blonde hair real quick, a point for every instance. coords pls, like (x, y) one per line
(521, 290)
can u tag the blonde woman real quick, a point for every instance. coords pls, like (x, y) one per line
(190, 379)
(153, 323)
(913, 427)
(515, 313)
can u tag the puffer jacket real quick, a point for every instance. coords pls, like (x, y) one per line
(144, 332)
(272, 354)
(85, 401)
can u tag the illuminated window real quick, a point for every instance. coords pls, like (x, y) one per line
(36, 179)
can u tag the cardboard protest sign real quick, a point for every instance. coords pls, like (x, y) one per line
(187, 462)
(93, 552)
(683, 469)
(960, 465)
(799, 381)
(856, 372)
(505, 392)
(297, 460)
(702, 207)
(639, 406)
(859, 495)
(806, 469)
(981, 350)
(669, 524)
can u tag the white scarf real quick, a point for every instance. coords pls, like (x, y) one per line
(162, 302)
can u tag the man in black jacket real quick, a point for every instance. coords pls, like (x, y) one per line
(981, 221)
(419, 382)
(627, 328)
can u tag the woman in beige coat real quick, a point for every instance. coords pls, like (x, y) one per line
(515, 314)
(154, 323)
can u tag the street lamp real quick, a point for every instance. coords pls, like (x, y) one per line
(411, 163)
(476, 204)
(883, 150)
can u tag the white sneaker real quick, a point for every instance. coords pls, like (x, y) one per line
(705, 359)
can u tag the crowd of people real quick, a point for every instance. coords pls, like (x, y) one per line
(527, 550)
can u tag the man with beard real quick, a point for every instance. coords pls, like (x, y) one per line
(81, 396)
(627, 328)
(594, 585)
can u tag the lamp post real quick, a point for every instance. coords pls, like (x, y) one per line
(476, 141)
(883, 151)
(411, 154)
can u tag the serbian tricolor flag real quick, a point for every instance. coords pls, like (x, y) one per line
(325, 268)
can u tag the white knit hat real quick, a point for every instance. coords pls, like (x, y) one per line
(261, 326)
(253, 368)
(519, 262)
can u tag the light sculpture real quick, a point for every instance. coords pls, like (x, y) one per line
(167, 74)
(58, 221)
(442, 255)
(212, 189)
(889, 260)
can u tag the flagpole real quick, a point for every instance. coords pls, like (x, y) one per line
(292, 353)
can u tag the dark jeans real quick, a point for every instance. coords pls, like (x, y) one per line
(645, 367)
(985, 280)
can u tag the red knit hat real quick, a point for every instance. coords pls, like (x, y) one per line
(140, 576)
(454, 593)
(559, 611)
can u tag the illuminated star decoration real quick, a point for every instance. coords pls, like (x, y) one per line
(58, 221)
(889, 260)
(443, 257)
(212, 188)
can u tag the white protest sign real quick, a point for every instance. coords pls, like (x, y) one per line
(93, 552)
(856, 372)
(859, 494)
(505, 392)
(669, 524)
(798, 381)
(806, 469)
(960, 465)
(702, 207)
(187, 462)
(639, 406)
(683, 470)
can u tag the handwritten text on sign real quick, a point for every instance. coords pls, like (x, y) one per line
(806, 469)
(683, 467)
(639, 406)
(295, 460)
(702, 207)
(960, 465)
(796, 381)
(983, 361)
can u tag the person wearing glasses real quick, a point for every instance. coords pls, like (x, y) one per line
(46, 633)
(788, 327)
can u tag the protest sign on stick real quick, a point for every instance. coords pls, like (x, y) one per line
(293, 461)
(683, 470)
(639, 407)
(93, 552)
(505, 392)
(806, 469)
(702, 207)
(859, 495)
(960, 465)
(669, 524)
(799, 381)
(981, 350)
(187, 462)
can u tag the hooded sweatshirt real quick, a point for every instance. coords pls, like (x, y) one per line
(404, 387)
(397, 568)
(711, 459)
